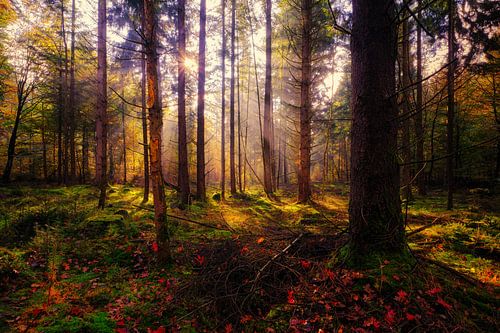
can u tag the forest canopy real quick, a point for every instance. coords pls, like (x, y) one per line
(305, 152)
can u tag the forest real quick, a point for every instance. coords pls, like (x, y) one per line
(249, 166)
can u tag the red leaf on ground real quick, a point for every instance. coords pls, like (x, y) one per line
(260, 240)
(305, 264)
(434, 291)
(390, 316)
(291, 300)
(372, 322)
(410, 316)
(200, 260)
(228, 328)
(121, 330)
(443, 303)
(401, 296)
(155, 247)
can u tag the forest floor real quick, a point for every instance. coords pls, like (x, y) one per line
(256, 266)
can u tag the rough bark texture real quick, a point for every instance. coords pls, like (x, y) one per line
(267, 149)
(183, 175)
(102, 104)
(451, 104)
(155, 129)
(145, 145)
(304, 176)
(72, 92)
(232, 166)
(223, 107)
(375, 221)
(419, 129)
(201, 190)
(406, 110)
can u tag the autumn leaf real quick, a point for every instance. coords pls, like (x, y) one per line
(401, 296)
(305, 264)
(410, 316)
(291, 300)
(260, 240)
(160, 329)
(155, 247)
(443, 303)
(390, 316)
(200, 260)
(434, 291)
(228, 328)
(372, 322)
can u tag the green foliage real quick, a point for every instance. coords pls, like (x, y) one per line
(94, 323)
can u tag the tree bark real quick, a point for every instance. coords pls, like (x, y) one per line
(223, 106)
(201, 190)
(304, 176)
(102, 104)
(232, 167)
(267, 148)
(419, 129)
(183, 171)
(375, 221)
(155, 129)
(72, 100)
(451, 105)
(405, 126)
(145, 145)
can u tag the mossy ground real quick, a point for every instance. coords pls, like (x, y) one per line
(67, 267)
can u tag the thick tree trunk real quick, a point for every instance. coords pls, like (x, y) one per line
(72, 101)
(419, 127)
(155, 129)
(183, 171)
(201, 190)
(406, 110)
(102, 104)
(232, 167)
(375, 221)
(145, 145)
(451, 104)
(223, 107)
(267, 133)
(304, 176)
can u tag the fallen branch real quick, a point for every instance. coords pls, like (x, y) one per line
(462, 276)
(186, 219)
(270, 261)
(416, 231)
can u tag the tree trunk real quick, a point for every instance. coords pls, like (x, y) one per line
(240, 185)
(419, 129)
(304, 176)
(145, 145)
(66, 116)
(223, 107)
(375, 221)
(124, 143)
(406, 110)
(11, 150)
(85, 154)
(232, 167)
(102, 103)
(72, 115)
(267, 148)
(155, 129)
(451, 104)
(183, 172)
(201, 190)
